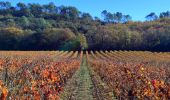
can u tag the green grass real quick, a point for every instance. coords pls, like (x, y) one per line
(85, 84)
(80, 86)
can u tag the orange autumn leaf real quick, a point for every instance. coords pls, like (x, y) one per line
(26, 89)
(54, 77)
(45, 73)
(4, 93)
(36, 95)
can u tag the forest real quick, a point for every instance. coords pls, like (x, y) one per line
(49, 27)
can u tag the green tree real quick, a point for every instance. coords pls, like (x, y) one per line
(152, 16)
(165, 14)
(10, 38)
(23, 10)
(57, 37)
(86, 17)
(83, 41)
(108, 17)
(126, 18)
(50, 8)
(24, 22)
(36, 9)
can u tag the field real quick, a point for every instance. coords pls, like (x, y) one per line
(88, 75)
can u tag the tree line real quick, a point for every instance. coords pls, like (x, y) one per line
(50, 27)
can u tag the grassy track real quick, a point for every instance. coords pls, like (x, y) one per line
(86, 85)
(80, 85)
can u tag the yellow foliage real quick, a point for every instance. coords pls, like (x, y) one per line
(13, 30)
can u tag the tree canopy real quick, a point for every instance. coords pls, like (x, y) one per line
(49, 27)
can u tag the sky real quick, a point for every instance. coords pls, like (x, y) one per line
(138, 9)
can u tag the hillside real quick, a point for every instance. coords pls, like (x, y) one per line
(51, 27)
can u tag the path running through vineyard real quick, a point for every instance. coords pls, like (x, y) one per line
(80, 86)
(84, 85)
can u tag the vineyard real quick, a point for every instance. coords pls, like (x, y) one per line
(88, 75)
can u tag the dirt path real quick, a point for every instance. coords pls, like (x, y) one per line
(84, 86)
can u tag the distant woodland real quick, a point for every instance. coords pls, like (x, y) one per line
(51, 27)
